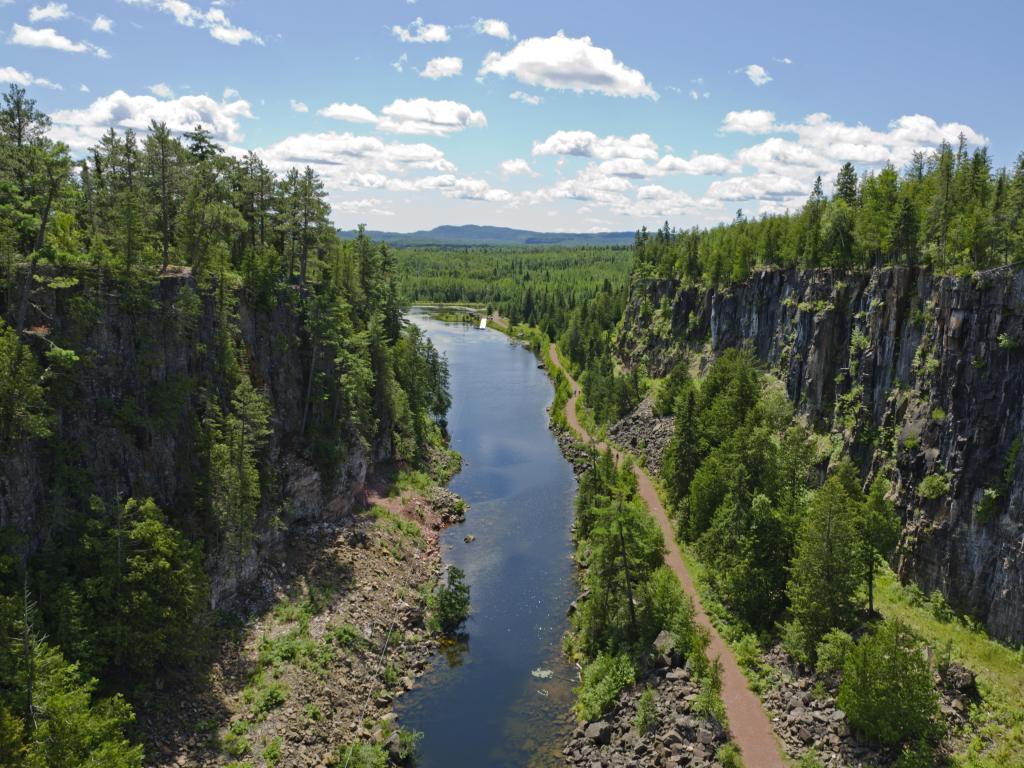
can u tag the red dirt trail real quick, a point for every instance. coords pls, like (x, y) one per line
(748, 722)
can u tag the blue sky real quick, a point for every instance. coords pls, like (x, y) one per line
(558, 115)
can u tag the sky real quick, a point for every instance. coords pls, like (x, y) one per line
(563, 115)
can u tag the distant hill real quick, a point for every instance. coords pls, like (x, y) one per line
(474, 235)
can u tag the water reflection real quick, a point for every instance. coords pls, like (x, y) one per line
(479, 703)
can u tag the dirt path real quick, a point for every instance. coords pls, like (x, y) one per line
(748, 721)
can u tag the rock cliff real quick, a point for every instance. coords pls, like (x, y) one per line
(897, 363)
(127, 420)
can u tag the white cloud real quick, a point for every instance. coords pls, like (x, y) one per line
(445, 66)
(214, 21)
(162, 90)
(639, 146)
(757, 187)
(517, 166)
(80, 128)
(83, 88)
(418, 32)
(526, 98)
(749, 121)
(49, 12)
(298, 106)
(492, 27)
(784, 60)
(19, 77)
(350, 113)
(698, 165)
(698, 95)
(102, 24)
(50, 38)
(428, 117)
(399, 64)
(757, 74)
(568, 63)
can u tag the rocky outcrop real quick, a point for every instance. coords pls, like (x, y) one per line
(127, 411)
(806, 718)
(676, 735)
(644, 434)
(901, 364)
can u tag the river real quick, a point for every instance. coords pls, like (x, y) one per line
(480, 703)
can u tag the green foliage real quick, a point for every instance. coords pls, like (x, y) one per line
(71, 724)
(272, 752)
(23, 409)
(143, 588)
(728, 756)
(831, 652)
(824, 578)
(235, 743)
(603, 680)
(934, 486)
(359, 755)
(946, 209)
(449, 602)
(887, 690)
(646, 712)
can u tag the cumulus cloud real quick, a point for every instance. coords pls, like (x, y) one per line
(50, 38)
(48, 12)
(214, 20)
(762, 186)
(162, 90)
(749, 121)
(757, 74)
(526, 98)
(350, 113)
(698, 165)
(568, 63)
(428, 117)
(516, 167)
(639, 146)
(492, 27)
(19, 77)
(444, 66)
(418, 32)
(102, 24)
(298, 106)
(81, 128)
(399, 64)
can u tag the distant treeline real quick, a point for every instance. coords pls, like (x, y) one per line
(948, 210)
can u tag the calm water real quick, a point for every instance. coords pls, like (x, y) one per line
(481, 706)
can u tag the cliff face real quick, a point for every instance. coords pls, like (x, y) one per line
(127, 424)
(929, 370)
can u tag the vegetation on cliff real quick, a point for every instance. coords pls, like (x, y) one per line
(156, 253)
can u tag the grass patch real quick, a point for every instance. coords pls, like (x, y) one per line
(997, 724)
(390, 522)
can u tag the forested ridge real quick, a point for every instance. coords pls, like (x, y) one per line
(165, 302)
(948, 210)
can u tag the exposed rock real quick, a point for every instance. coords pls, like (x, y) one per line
(936, 362)
(599, 732)
(643, 433)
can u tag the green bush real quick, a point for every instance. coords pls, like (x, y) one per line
(449, 603)
(934, 486)
(603, 679)
(646, 712)
(236, 741)
(360, 755)
(795, 641)
(728, 756)
(272, 752)
(887, 690)
(832, 651)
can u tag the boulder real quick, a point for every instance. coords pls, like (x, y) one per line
(599, 732)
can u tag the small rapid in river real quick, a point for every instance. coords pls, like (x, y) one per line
(504, 697)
